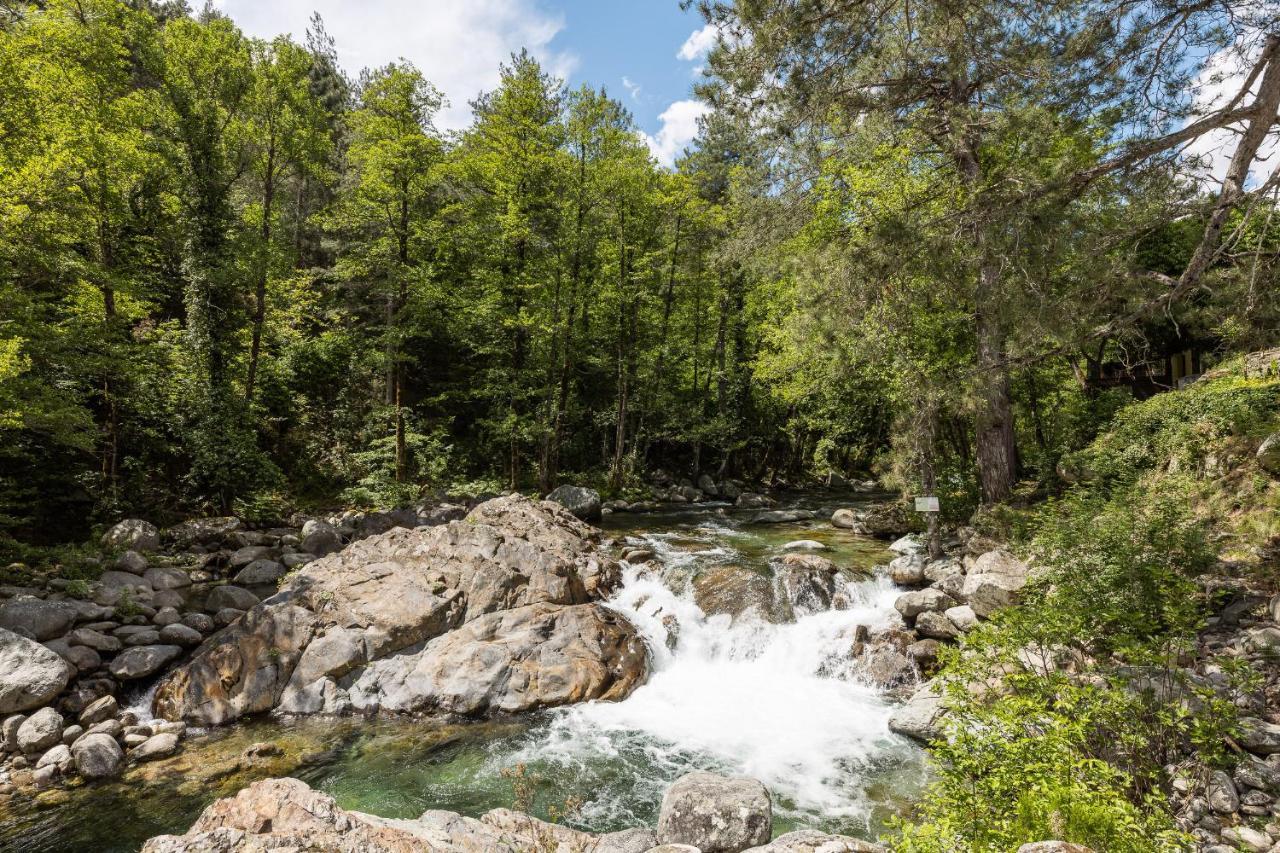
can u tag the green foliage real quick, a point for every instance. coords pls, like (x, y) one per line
(1019, 771)
(1120, 568)
(431, 459)
(1177, 431)
(1081, 704)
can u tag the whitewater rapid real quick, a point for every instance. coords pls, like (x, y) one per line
(783, 703)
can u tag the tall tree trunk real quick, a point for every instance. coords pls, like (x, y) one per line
(994, 438)
(551, 455)
(993, 421)
(264, 265)
(620, 426)
(397, 365)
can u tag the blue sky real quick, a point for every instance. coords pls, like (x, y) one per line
(645, 52)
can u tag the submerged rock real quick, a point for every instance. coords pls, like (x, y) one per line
(276, 814)
(493, 613)
(733, 590)
(781, 516)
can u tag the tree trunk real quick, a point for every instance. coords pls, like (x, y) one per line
(996, 451)
(397, 368)
(264, 265)
(993, 421)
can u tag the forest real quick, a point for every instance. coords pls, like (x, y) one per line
(906, 242)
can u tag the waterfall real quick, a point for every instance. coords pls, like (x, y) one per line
(780, 702)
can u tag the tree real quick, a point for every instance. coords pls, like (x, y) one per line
(386, 208)
(288, 131)
(207, 77)
(997, 108)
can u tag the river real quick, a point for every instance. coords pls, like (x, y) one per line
(778, 701)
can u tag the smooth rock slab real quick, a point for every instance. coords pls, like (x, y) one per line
(539, 656)
(41, 619)
(141, 661)
(30, 674)
(716, 814)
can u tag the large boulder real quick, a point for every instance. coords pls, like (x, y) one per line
(1268, 454)
(203, 531)
(320, 538)
(537, 656)
(921, 717)
(809, 581)
(582, 502)
(97, 756)
(716, 814)
(229, 596)
(848, 519)
(734, 590)
(387, 622)
(132, 534)
(995, 581)
(142, 661)
(37, 618)
(40, 731)
(30, 674)
(912, 604)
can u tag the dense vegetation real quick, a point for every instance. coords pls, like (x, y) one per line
(1084, 710)
(231, 276)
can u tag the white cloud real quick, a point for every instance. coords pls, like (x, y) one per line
(699, 43)
(1218, 82)
(632, 88)
(457, 44)
(679, 127)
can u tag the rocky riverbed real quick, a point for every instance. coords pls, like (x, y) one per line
(510, 655)
(797, 636)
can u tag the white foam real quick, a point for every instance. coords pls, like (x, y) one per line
(779, 702)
